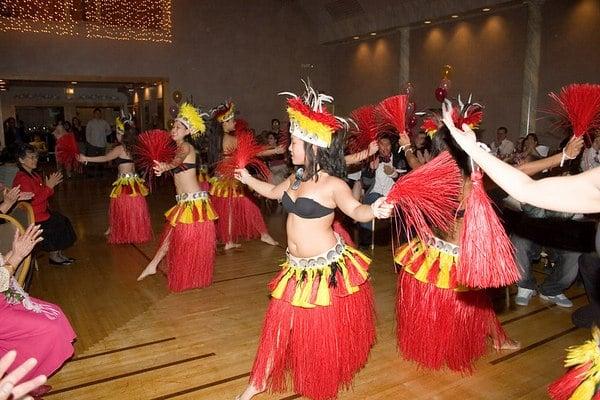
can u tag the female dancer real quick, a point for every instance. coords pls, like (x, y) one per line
(188, 240)
(239, 217)
(128, 214)
(319, 326)
(441, 321)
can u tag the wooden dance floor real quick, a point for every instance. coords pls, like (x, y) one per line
(138, 341)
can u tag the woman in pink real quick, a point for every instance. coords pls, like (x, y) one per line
(30, 326)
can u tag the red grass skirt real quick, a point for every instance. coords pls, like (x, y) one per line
(190, 232)
(230, 202)
(318, 329)
(129, 217)
(438, 326)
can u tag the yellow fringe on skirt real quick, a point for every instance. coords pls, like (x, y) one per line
(190, 211)
(341, 274)
(133, 182)
(433, 263)
(226, 187)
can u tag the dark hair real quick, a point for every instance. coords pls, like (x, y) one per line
(215, 142)
(442, 141)
(275, 119)
(330, 159)
(503, 128)
(21, 152)
(129, 139)
(534, 136)
(97, 109)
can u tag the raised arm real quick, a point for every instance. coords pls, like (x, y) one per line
(344, 200)
(114, 153)
(571, 151)
(409, 152)
(355, 158)
(182, 152)
(574, 194)
(265, 189)
(273, 151)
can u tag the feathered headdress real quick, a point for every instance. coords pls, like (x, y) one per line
(122, 120)
(224, 112)
(309, 118)
(192, 119)
(578, 106)
(469, 113)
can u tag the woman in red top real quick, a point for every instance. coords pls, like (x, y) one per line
(58, 232)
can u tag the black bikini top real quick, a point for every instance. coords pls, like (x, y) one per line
(120, 161)
(304, 207)
(184, 167)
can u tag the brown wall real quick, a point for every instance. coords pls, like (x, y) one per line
(365, 72)
(219, 50)
(487, 54)
(570, 50)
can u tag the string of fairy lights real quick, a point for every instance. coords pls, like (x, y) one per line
(145, 20)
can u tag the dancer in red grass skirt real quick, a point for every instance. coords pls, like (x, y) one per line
(444, 318)
(188, 241)
(128, 214)
(320, 323)
(239, 217)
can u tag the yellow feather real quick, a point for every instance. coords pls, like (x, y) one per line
(192, 116)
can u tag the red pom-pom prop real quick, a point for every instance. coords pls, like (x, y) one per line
(151, 146)
(366, 121)
(393, 112)
(245, 155)
(487, 257)
(428, 196)
(578, 106)
(67, 152)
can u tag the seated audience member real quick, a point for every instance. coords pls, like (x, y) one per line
(591, 156)
(58, 231)
(501, 146)
(34, 328)
(277, 162)
(379, 176)
(528, 152)
(422, 147)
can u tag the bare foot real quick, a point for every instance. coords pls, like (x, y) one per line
(231, 245)
(508, 344)
(249, 393)
(265, 237)
(149, 270)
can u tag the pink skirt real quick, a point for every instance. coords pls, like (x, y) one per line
(36, 335)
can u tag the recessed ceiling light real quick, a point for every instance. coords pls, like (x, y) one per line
(428, 22)
(74, 82)
(455, 16)
(1, 80)
(486, 9)
(373, 33)
(2, 89)
(355, 37)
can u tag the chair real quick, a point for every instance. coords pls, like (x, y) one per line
(7, 234)
(23, 212)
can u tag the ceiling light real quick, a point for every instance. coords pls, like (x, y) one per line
(373, 33)
(355, 37)
(455, 16)
(486, 9)
(2, 89)
(428, 22)
(2, 81)
(74, 82)
(70, 91)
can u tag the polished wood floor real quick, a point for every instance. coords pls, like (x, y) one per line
(138, 341)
